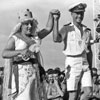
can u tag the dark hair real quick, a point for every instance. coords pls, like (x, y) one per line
(50, 71)
(94, 69)
(1, 68)
(62, 73)
(57, 70)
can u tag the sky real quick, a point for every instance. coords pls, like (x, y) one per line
(51, 52)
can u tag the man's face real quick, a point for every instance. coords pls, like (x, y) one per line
(55, 76)
(94, 72)
(77, 16)
(50, 78)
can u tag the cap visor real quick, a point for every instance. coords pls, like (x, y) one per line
(78, 11)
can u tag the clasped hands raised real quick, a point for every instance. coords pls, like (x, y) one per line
(56, 13)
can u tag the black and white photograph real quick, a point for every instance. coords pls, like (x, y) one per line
(50, 50)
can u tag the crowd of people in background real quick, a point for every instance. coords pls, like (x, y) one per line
(54, 84)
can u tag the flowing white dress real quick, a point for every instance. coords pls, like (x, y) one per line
(27, 74)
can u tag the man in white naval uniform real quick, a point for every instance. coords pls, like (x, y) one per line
(76, 38)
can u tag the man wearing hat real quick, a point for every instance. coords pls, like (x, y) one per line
(76, 37)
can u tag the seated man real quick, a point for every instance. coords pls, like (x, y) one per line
(54, 91)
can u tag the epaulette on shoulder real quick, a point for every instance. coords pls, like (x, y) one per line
(84, 25)
(67, 24)
(87, 28)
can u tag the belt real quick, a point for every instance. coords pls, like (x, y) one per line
(80, 55)
(31, 60)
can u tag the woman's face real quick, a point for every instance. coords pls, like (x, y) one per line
(27, 27)
(77, 16)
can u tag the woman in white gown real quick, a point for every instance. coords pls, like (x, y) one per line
(22, 51)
